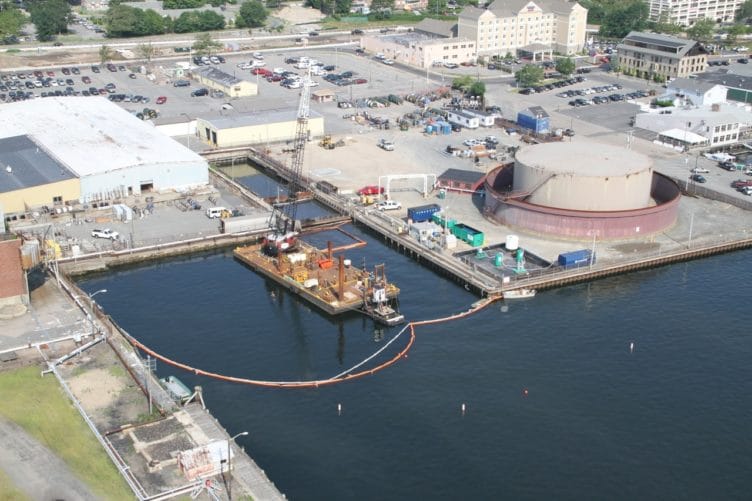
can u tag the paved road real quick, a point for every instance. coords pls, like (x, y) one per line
(35, 470)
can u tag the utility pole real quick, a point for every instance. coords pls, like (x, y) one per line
(151, 365)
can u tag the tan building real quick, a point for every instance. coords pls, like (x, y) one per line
(219, 80)
(651, 55)
(511, 26)
(417, 49)
(257, 128)
(686, 13)
(32, 178)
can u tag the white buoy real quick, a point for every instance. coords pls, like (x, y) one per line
(339, 409)
(631, 347)
(464, 408)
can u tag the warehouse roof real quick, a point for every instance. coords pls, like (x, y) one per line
(230, 121)
(219, 76)
(465, 176)
(25, 164)
(91, 135)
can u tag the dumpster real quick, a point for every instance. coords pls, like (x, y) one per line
(467, 234)
(422, 212)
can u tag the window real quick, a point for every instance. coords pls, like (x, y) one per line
(57, 200)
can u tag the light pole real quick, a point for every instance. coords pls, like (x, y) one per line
(229, 462)
(91, 306)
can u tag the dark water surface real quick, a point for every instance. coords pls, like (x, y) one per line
(669, 421)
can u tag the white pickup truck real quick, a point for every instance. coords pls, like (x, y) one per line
(385, 144)
(105, 233)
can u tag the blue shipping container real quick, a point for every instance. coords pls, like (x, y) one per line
(536, 124)
(422, 213)
(576, 258)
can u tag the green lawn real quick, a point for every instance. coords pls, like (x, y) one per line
(40, 407)
(9, 491)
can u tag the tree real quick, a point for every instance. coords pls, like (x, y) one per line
(478, 88)
(529, 75)
(436, 7)
(146, 51)
(621, 18)
(565, 65)
(105, 54)
(382, 6)
(462, 83)
(745, 11)
(50, 17)
(11, 21)
(734, 31)
(702, 30)
(205, 44)
(252, 14)
(664, 25)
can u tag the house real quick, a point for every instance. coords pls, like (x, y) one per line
(660, 57)
(696, 92)
(463, 181)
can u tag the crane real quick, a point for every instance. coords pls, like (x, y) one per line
(284, 221)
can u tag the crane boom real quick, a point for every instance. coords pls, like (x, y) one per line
(285, 221)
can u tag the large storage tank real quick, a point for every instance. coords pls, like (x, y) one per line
(582, 175)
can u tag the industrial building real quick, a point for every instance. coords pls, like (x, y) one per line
(419, 49)
(694, 92)
(653, 55)
(231, 130)
(33, 178)
(218, 80)
(687, 13)
(534, 118)
(110, 152)
(716, 125)
(609, 192)
(510, 26)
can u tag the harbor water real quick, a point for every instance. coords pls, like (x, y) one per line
(556, 405)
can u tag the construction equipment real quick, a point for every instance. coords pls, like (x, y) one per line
(327, 143)
(283, 219)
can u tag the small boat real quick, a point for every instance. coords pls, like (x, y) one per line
(518, 294)
(385, 314)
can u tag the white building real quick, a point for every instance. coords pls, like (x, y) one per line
(418, 49)
(686, 13)
(717, 125)
(464, 119)
(509, 26)
(112, 152)
(694, 92)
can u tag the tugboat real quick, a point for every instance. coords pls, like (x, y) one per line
(377, 305)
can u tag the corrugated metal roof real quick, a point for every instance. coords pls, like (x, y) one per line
(219, 76)
(91, 135)
(25, 164)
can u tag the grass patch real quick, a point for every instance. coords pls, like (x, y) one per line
(9, 491)
(40, 407)
(117, 370)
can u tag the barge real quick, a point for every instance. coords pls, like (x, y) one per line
(332, 285)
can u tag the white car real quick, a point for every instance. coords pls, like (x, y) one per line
(105, 233)
(700, 170)
(258, 55)
(470, 142)
(388, 205)
(388, 62)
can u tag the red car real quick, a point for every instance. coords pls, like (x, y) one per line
(261, 71)
(359, 81)
(86, 80)
(371, 190)
(161, 100)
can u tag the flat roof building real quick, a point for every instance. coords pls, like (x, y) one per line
(230, 85)
(687, 13)
(272, 126)
(111, 152)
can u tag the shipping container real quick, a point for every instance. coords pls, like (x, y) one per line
(439, 219)
(573, 259)
(245, 223)
(467, 234)
(422, 213)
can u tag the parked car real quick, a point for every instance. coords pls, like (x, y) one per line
(105, 233)
(200, 92)
(388, 205)
(356, 32)
(161, 100)
(698, 178)
(181, 83)
(700, 170)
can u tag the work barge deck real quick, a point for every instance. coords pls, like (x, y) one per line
(332, 285)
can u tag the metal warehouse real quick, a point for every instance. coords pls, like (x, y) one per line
(256, 128)
(597, 191)
(110, 151)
